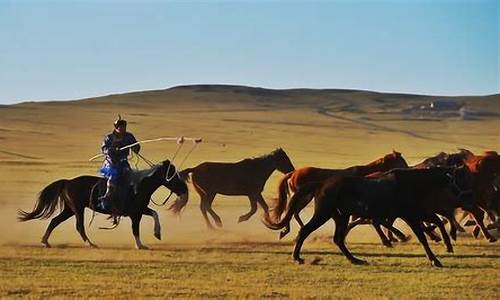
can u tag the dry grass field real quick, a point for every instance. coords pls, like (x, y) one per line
(42, 142)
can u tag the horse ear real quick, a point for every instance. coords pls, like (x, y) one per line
(166, 163)
(466, 152)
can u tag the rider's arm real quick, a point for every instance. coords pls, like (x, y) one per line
(107, 148)
(137, 147)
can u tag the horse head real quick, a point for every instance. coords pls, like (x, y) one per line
(173, 182)
(394, 160)
(460, 181)
(282, 161)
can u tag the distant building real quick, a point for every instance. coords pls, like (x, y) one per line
(443, 105)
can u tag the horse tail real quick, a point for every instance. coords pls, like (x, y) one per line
(283, 193)
(294, 204)
(184, 174)
(179, 203)
(47, 201)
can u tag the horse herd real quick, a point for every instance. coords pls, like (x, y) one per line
(425, 196)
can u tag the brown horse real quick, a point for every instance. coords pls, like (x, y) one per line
(298, 178)
(246, 177)
(74, 195)
(403, 193)
(487, 170)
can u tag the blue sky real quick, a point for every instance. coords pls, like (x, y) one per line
(73, 49)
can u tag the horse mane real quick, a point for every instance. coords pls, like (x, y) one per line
(393, 154)
(264, 156)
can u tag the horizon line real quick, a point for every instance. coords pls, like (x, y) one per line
(117, 93)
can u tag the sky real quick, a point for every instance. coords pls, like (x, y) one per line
(57, 50)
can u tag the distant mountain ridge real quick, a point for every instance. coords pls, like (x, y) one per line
(222, 92)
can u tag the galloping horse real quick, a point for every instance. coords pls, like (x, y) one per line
(74, 195)
(403, 193)
(246, 177)
(484, 170)
(300, 177)
(487, 170)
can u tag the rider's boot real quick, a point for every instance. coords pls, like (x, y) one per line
(105, 201)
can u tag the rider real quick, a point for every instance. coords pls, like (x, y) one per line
(116, 166)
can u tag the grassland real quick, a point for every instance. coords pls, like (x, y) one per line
(41, 142)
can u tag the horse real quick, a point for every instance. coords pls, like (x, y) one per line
(484, 190)
(295, 179)
(74, 195)
(403, 193)
(487, 168)
(246, 177)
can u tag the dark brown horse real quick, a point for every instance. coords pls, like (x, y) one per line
(487, 170)
(406, 194)
(246, 177)
(296, 179)
(74, 195)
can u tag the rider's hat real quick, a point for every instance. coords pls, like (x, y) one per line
(119, 122)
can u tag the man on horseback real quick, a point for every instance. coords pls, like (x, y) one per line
(116, 167)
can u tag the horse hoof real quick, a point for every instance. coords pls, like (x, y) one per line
(283, 234)
(388, 244)
(142, 247)
(158, 236)
(242, 219)
(219, 224)
(359, 262)
(299, 261)
(46, 244)
(449, 250)
(475, 232)
(94, 246)
(492, 239)
(436, 263)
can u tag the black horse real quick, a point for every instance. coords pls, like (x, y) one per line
(74, 195)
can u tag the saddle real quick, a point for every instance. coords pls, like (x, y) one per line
(127, 189)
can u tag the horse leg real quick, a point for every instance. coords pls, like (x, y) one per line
(319, 218)
(204, 208)
(453, 223)
(429, 230)
(61, 217)
(478, 215)
(383, 238)
(341, 223)
(253, 209)
(262, 203)
(296, 216)
(210, 200)
(136, 220)
(157, 227)
(416, 227)
(446, 238)
(285, 231)
(81, 228)
(302, 205)
(389, 225)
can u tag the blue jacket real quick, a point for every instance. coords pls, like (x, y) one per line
(118, 158)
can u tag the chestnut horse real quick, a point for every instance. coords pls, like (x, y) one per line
(403, 193)
(246, 177)
(295, 179)
(74, 195)
(487, 170)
